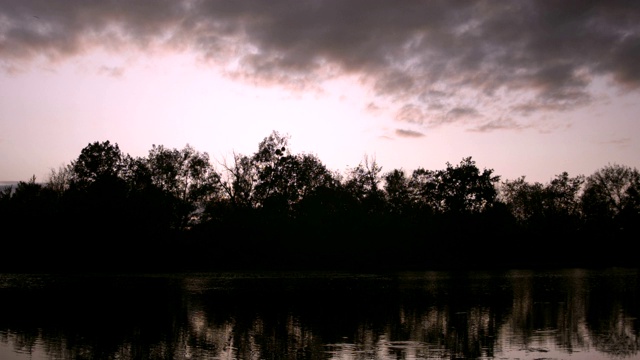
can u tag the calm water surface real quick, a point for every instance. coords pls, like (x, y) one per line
(561, 314)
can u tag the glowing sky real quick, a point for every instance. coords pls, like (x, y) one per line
(529, 88)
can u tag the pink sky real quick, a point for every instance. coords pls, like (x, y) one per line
(529, 88)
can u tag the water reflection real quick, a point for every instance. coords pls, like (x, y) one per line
(427, 315)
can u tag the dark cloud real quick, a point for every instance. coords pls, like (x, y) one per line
(408, 133)
(427, 59)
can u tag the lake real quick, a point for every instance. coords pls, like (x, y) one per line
(516, 314)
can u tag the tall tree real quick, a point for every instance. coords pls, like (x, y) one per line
(26, 197)
(611, 196)
(563, 195)
(32, 216)
(423, 187)
(291, 178)
(524, 200)
(550, 211)
(363, 182)
(272, 162)
(466, 189)
(98, 161)
(367, 211)
(397, 191)
(60, 179)
(238, 181)
(185, 174)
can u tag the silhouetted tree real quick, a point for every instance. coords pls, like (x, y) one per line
(5, 198)
(524, 200)
(363, 183)
(60, 179)
(185, 174)
(285, 208)
(271, 149)
(611, 199)
(155, 215)
(423, 187)
(563, 193)
(548, 217)
(26, 199)
(290, 179)
(396, 188)
(402, 206)
(138, 175)
(465, 189)
(238, 181)
(367, 229)
(537, 205)
(98, 161)
(102, 229)
(273, 164)
(31, 223)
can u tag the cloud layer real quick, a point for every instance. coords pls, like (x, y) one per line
(484, 64)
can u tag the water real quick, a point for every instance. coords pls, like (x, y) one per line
(560, 314)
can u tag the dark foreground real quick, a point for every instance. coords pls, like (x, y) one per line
(174, 211)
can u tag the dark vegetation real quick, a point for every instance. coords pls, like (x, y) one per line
(175, 210)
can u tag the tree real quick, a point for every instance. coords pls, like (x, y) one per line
(6, 213)
(284, 179)
(186, 175)
(363, 183)
(545, 211)
(611, 196)
(531, 203)
(273, 164)
(523, 200)
(423, 187)
(60, 179)
(97, 196)
(365, 220)
(34, 214)
(5, 193)
(238, 181)
(138, 175)
(98, 161)
(465, 189)
(562, 195)
(97, 191)
(26, 193)
(291, 179)
(397, 191)
(270, 150)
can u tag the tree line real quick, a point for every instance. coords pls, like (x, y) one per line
(176, 210)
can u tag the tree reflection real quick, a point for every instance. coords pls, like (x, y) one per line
(322, 316)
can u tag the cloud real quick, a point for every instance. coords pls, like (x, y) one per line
(498, 124)
(408, 133)
(410, 113)
(113, 71)
(462, 112)
(427, 60)
(622, 142)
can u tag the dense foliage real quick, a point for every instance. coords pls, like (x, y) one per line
(175, 210)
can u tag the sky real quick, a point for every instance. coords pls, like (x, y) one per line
(526, 88)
